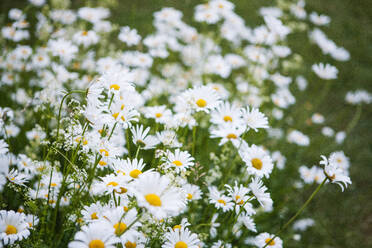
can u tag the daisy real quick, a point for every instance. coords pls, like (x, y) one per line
(141, 138)
(3, 147)
(180, 238)
(193, 192)
(200, 98)
(155, 193)
(228, 132)
(121, 220)
(247, 221)
(298, 138)
(239, 194)
(160, 113)
(265, 239)
(129, 36)
(325, 71)
(340, 159)
(32, 220)
(259, 191)
(257, 160)
(180, 160)
(130, 168)
(219, 200)
(335, 173)
(94, 212)
(254, 119)
(226, 113)
(111, 183)
(13, 227)
(86, 38)
(17, 177)
(97, 235)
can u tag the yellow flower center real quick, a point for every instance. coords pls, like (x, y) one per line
(180, 244)
(122, 190)
(113, 184)
(120, 227)
(338, 160)
(10, 230)
(102, 163)
(153, 200)
(177, 162)
(189, 196)
(130, 245)
(96, 243)
(114, 86)
(257, 163)
(135, 173)
(201, 103)
(115, 115)
(227, 118)
(84, 33)
(221, 201)
(231, 136)
(158, 115)
(53, 184)
(104, 151)
(271, 243)
(94, 216)
(176, 227)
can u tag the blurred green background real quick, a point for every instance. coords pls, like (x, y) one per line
(343, 219)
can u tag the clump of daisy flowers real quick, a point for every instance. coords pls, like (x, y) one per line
(169, 140)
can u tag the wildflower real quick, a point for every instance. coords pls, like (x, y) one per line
(180, 238)
(325, 71)
(97, 234)
(219, 200)
(155, 193)
(180, 160)
(13, 227)
(141, 138)
(257, 160)
(265, 238)
(335, 173)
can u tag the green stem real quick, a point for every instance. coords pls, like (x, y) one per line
(193, 140)
(60, 107)
(298, 212)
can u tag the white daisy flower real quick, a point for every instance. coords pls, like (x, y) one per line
(219, 200)
(97, 235)
(254, 119)
(13, 227)
(193, 192)
(335, 173)
(155, 193)
(265, 239)
(259, 191)
(226, 113)
(122, 220)
(94, 212)
(200, 98)
(130, 168)
(258, 160)
(4, 148)
(228, 132)
(180, 160)
(325, 71)
(141, 138)
(160, 113)
(180, 238)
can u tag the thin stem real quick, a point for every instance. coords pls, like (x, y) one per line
(298, 212)
(138, 149)
(193, 140)
(60, 107)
